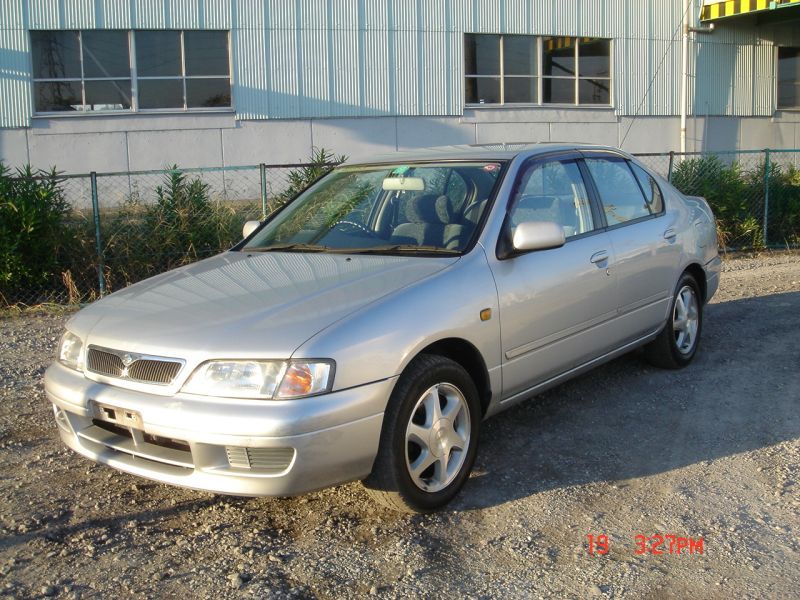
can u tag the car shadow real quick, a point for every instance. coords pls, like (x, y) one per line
(627, 420)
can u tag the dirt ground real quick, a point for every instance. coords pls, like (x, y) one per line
(710, 452)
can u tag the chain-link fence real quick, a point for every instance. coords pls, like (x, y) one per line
(113, 229)
(755, 195)
(119, 228)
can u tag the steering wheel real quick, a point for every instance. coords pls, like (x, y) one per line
(352, 226)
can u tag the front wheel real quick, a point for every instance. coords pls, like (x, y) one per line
(429, 437)
(677, 344)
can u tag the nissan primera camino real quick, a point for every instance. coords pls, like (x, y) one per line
(366, 329)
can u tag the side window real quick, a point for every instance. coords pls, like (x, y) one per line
(553, 191)
(652, 193)
(620, 194)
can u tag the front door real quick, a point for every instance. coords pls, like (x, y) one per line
(557, 306)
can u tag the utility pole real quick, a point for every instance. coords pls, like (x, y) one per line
(685, 72)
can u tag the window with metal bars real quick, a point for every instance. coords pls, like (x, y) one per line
(117, 70)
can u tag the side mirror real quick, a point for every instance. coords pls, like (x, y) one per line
(249, 228)
(537, 235)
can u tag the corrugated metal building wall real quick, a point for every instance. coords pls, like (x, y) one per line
(336, 58)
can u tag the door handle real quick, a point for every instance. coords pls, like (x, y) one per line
(599, 257)
(670, 234)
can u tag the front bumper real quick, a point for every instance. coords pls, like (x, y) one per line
(229, 446)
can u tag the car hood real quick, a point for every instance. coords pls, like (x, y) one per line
(245, 305)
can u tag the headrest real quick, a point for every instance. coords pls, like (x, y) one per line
(429, 209)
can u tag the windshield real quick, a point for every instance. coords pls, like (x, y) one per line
(418, 208)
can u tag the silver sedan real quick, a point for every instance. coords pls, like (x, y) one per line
(366, 329)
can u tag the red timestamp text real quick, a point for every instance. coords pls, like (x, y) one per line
(668, 543)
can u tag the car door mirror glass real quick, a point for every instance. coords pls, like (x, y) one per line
(537, 235)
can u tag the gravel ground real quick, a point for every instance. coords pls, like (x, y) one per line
(710, 452)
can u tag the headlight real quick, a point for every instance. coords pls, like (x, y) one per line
(70, 351)
(263, 379)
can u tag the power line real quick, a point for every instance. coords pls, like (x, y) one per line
(658, 69)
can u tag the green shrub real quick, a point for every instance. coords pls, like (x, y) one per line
(300, 178)
(35, 234)
(182, 226)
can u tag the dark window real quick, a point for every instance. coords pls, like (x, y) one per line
(553, 191)
(504, 69)
(576, 70)
(93, 70)
(619, 192)
(158, 54)
(56, 54)
(183, 69)
(788, 77)
(500, 69)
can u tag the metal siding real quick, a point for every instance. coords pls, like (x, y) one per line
(15, 89)
(216, 14)
(44, 14)
(79, 14)
(315, 76)
(115, 14)
(432, 15)
(249, 14)
(150, 14)
(317, 58)
(486, 16)
(283, 82)
(250, 93)
(183, 14)
(12, 15)
(517, 16)
(282, 14)
(345, 73)
(377, 78)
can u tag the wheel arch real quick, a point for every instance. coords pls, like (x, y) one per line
(699, 274)
(469, 357)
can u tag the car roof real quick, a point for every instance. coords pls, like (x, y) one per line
(489, 151)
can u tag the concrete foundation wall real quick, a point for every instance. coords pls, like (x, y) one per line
(108, 144)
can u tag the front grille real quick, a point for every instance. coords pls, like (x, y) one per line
(148, 369)
(104, 363)
(266, 460)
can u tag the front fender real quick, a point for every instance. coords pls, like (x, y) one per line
(379, 341)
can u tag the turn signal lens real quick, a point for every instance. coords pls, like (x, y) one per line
(305, 379)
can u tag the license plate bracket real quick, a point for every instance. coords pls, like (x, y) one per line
(113, 414)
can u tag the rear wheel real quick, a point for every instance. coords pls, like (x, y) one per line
(676, 345)
(429, 438)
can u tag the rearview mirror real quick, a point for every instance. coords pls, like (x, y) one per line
(404, 184)
(249, 228)
(538, 235)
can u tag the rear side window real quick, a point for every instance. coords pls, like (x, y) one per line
(652, 193)
(553, 191)
(620, 194)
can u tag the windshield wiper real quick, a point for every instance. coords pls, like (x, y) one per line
(404, 248)
(288, 248)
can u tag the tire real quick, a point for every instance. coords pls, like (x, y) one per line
(420, 467)
(676, 345)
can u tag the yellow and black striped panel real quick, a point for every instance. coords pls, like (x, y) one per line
(731, 8)
(558, 43)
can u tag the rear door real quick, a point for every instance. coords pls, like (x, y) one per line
(643, 239)
(556, 306)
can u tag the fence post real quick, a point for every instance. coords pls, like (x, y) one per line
(767, 169)
(671, 162)
(263, 169)
(101, 278)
